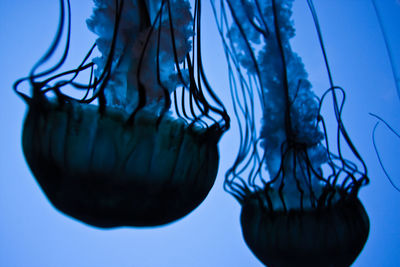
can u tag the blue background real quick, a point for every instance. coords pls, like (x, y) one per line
(33, 233)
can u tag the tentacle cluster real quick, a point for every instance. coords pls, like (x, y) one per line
(149, 49)
(300, 160)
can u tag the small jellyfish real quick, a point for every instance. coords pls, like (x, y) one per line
(138, 146)
(299, 197)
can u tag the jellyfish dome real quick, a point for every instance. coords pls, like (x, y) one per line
(138, 147)
(299, 197)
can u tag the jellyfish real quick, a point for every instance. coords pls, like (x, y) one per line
(129, 137)
(297, 191)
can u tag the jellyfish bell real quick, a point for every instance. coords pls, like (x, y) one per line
(106, 174)
(325, 226)
(299, 196)
(326, 236)
(129, 159)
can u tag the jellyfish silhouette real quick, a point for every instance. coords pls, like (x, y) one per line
(128, 138)
(299, 196)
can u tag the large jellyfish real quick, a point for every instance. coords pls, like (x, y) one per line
(128, 138)
(304, 211)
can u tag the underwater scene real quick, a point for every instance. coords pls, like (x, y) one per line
(169, 133)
